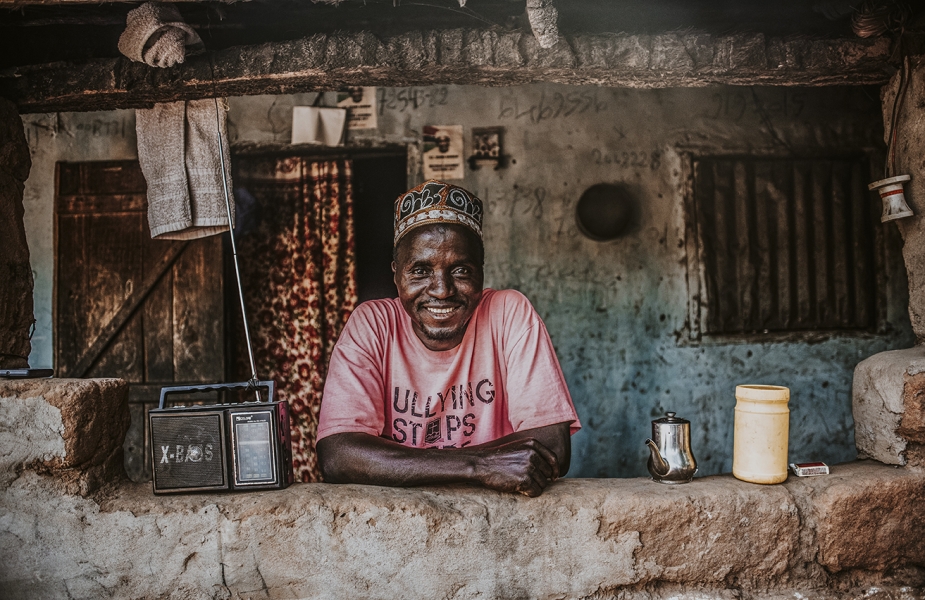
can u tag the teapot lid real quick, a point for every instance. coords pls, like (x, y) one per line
(670, 418)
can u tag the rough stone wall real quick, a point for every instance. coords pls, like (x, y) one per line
(912, 424)
(71, 430)
(878, 402)
(889, 406)
(910, 160)
(15, 272)
(856, 533)
(847, 540)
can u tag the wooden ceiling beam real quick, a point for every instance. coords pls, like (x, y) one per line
(20, 3)
(480, 57)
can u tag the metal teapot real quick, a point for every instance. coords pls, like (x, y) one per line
(671, 460)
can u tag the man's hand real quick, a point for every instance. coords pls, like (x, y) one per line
(525, 462)
(524, 466)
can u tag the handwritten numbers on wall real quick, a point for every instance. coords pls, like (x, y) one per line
(553, 106)
(631, 159)
(734, 105)
(405, 99)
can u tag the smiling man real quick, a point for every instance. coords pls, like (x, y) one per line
(450, 382)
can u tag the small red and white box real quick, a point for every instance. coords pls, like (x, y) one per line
(809, 469)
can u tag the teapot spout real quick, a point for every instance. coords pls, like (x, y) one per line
(658, 467)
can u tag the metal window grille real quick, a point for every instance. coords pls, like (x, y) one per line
(786, 244)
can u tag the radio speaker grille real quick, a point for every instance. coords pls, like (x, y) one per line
(189, 451)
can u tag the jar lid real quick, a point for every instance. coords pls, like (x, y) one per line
(888, 181)
(670, 418)
(768, 393)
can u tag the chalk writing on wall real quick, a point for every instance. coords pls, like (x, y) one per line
(403, 99)
(550, 106)
(116, 127)
(572, 275)
(736, 104)
(631, 159)
(565, 223)
(521, 200)
(34, 130)
(535, 203)
(104, 127)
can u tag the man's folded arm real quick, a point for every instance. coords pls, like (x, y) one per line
(525, 461)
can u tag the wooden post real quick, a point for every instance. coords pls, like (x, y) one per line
(16, 317)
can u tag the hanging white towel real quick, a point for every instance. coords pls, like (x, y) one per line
(178, 151)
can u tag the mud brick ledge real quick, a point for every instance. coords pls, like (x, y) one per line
(72, 527)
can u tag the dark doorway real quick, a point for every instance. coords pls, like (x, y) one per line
(377, 182)
(377, 178)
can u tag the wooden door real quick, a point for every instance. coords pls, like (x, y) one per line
(148, 311)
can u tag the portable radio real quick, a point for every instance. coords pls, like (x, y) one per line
(221, 447)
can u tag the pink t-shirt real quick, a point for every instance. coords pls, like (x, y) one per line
(503, 377)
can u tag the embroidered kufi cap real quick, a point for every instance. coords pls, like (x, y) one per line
(437, 202)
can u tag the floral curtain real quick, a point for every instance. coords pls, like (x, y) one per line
(299, 277)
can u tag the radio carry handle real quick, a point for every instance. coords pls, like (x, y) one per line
(209, 387)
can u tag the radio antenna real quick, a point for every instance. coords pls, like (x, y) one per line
(234, 253)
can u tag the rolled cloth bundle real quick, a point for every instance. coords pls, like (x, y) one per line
(156, 34)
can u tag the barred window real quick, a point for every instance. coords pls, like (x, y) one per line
(784, 244)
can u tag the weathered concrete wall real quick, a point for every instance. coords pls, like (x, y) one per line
(856, 533)
(15, 272)
(617, 311)
(53, 138)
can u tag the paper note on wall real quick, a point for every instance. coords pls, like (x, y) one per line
(360, 103)
(443, 152)
(314, 125)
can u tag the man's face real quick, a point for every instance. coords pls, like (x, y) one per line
(443, 143)
(439, 279)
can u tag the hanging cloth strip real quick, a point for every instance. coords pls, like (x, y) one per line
(181, 161)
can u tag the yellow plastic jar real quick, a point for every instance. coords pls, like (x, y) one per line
(762, 430)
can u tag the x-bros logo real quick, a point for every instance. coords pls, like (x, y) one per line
(187, 453)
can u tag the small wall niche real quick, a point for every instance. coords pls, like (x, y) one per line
(605, 212)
